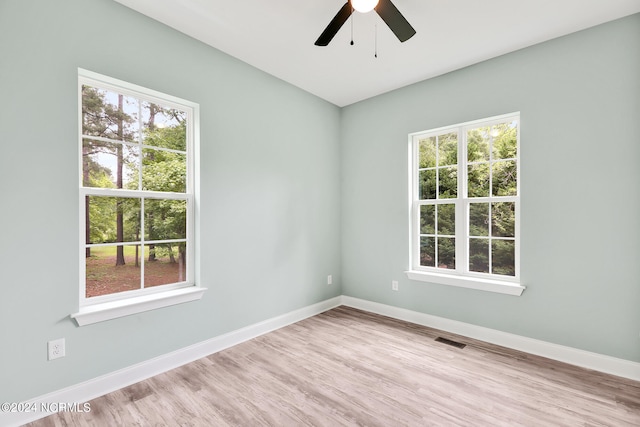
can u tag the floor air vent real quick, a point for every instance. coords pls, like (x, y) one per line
(450, 342)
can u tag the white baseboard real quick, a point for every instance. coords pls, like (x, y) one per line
(573, 356)
(104, 384)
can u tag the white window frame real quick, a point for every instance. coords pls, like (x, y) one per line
(461, 276)
(105, 307)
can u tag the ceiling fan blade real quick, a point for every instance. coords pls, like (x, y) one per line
(394, 19)
(334, 26)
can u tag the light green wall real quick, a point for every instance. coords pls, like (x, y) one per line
(269, 190)
(579, 98)
(294, 189)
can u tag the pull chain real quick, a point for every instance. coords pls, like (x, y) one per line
(376, 41)
(351, 28)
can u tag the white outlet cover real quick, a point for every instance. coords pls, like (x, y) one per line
(55, 349)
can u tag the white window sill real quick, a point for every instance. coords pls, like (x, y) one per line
(501, 287)
(114, 309)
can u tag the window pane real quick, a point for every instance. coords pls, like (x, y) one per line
(446, 215)
(447, 252)
(427, 219)
(104, 276)
(479, 255)
(165, 264)
(427, 185)
(113, 219)
(165, 219)
(479, 219)
(164, 171)
(427, 251)
(448, 149)
(503, 257)
(164, 127)
(100, 161)
(448, 188)
(505, 140)
(478, 141)
(109, 115)
(503, 219)
(478, 175)
(504, 178)
(427, 153)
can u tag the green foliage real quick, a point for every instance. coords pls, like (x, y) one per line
(103, 211)
(491, 172)
(446, 252)
(427, 184)
(427, 219)
(504, 178)
(501, 141)
(479, 255)
(479, 219)
(504, 141)
(448, 182)
(102, 214)
(503, 255)
(448, 149)
(101, 118)
(503, 219)
(165, 171)
(443, 178)
(168, 219)
(173, 137)
(427, 153)
(162, 170)
(100, 177)
(478, 141)
(478, 180)
(427, 251)
(446, 219)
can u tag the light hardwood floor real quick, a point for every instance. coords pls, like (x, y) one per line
(346, 367)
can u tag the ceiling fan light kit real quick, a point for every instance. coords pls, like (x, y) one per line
(364, 6)
(384, 8)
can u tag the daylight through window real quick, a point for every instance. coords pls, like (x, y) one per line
(136, 190)
(465, 199)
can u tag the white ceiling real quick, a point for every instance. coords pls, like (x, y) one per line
(277, 36)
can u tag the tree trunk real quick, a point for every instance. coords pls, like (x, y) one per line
(120, 160)
(87, 227)
(181, 262)
(172, 259)
(153, 110)
(85, 182)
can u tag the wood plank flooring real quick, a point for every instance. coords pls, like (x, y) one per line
(347, 367)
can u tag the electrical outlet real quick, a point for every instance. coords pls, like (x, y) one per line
(394, 285)
(56, 349)
(329, 280)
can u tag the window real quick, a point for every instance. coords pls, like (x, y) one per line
(465, 205)
(137, 194)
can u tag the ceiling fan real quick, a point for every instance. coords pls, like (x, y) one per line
(384, 8)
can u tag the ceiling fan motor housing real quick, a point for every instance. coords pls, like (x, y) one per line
(384, 8)
(364, 6)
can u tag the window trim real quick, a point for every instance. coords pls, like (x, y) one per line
(111, 306)
(461, 276)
